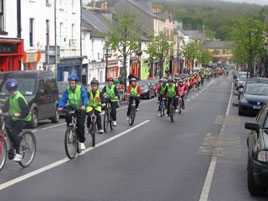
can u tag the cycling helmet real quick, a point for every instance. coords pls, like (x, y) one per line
(110, 79)
(73, 78)
(170, 79)
(133, 79)
(176, 78)
(162, 80)
(11, 85)
(94, 82)
(181, 81)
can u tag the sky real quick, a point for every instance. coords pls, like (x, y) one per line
(260, 2)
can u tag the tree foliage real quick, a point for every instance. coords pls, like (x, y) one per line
(204, 56)
(191, 52)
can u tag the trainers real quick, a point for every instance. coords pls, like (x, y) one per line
(114, 122)
(81, 146)
(127, 118)
(17, 158)
(177, 111)
(137, 109)
(101, 131)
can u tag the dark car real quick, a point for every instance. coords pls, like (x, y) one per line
(257, 143)
(147, 89)
(40, 90)
(62, 86)
(154, 83)
(252, 98)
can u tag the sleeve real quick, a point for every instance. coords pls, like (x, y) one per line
(84, 96)
(116, 91)
(139, 90)
(128, 89)
(6, 106)
(103, 100)
(64, 99)
(103, 91)
(157, 89)
(24, 108)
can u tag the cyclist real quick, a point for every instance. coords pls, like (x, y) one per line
(171, 93)
(134, 93)
(77, 97)
(95, 99)
(17, 106)
(112, 95)
(182, 92)
(161, 90)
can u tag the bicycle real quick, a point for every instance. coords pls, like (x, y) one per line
(171, 110)
(162, 107)
(107, 119)
(93, 126)
(132, 114)
(27, 145)
(180, 105)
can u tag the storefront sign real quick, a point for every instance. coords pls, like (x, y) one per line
(31, 57)
(8, 48)
(112, 63)
(70, 62)
(221, 55)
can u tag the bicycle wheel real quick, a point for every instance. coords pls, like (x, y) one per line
(172, 113)
(71, 143)
(27, 148)
(132, 116)
(110, 121)
(93, 132)
(3, 155)
(105, 122)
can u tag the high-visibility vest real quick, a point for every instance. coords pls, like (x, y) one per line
(14, 107)
(134, 91)
(94, 101)
(171, 93)
(181, 90)
(75, 99)
(162, 89)
(110, 93)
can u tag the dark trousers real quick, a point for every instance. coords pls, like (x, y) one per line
(130, 102)
(80, 125)
(175, 103)
(14, 128)
(182, 100)
(97, 113)
(114, 106)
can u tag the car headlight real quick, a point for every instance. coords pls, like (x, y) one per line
(243, 100)
(262, 156)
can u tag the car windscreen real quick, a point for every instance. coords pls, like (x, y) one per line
(62, 86)
(142, 84)
(242, 78)
(260, 90)
(27, 86)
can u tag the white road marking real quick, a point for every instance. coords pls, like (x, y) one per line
(230, 101)
(62, 161)
(207, 185)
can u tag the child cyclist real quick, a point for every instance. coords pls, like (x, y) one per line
(161, 90)
(171, 93)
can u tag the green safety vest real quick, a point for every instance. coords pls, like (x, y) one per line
(171, 93)
(75, 99)
(162, 90)
(94, 101)
(15, 108)
(110, 93)
(134, 92)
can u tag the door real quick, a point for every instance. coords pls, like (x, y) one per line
(42, 100)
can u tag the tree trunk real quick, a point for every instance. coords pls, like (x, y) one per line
(125, 71)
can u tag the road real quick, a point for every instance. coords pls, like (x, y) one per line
(202, 156)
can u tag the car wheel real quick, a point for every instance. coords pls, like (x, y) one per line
(56, 117)
(254, 189)
(149, 97)
(34, 121)
(240, 111)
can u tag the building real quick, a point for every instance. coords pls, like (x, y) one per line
(38, 33)
(11, 44)
(68, 37)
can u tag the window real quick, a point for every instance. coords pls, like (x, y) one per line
(73, 30)
(47, 32)
(31, 32)
(61, 32)
(2, 16)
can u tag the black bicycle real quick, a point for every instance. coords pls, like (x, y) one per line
(27, 145)
(93, 126)
(162, 107)
(132, 114)
(172, 110)
(107, 119)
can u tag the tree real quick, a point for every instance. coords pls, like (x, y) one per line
(123, 37)
(249, 38)
(191, 52)
(216, 59)
(204, 56)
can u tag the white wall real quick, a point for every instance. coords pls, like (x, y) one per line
(68, 14)
(10, 19)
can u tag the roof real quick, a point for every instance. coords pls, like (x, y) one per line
(94, 22)
(195, 34)
(210, 44)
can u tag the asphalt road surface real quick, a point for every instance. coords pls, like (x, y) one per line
(202, 156)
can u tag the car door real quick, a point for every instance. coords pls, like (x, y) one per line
(42, 99)
(52, 94)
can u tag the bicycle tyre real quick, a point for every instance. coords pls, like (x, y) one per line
(3, 156)
(105, 122)
(111, 122)
(27, 148)
(93, 132)
(172, 113)
(132, 116)
(71, 141)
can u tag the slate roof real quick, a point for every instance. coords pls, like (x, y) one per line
(210, 44)
(193, 34)
(93, 22)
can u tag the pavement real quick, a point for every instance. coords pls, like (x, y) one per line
(202, 156)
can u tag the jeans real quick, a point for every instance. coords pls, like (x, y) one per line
(80, 125)
(97, 113)
(14, 128)
(130, 102)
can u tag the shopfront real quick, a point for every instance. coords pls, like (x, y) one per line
(69, 66)
(31, 59)
(135, 67)
(11, 53)
(112, 68)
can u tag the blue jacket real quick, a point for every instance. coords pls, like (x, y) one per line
(65, 98)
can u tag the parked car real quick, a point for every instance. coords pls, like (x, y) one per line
(237, 76)
(62, 86)
(257, 143)
(154, 83)
(252, 98)
(40, 90)
(147, 89)
(241, 82)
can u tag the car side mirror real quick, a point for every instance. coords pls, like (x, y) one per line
(252, 126)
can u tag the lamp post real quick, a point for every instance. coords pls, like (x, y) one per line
(107, 56)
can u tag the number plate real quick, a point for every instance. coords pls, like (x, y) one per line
(257, 107)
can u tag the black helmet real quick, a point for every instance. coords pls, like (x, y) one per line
(133, 79)
(94, 82)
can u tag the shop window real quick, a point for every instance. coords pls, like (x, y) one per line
(31, 32)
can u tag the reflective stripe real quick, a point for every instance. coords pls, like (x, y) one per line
(94, 101)
(162, 90)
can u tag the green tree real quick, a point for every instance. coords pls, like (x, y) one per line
(123, 37)
(216, 59)
(249, 36)
(204, 56)
(191, 52)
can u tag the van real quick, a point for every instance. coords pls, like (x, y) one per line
(40, 90)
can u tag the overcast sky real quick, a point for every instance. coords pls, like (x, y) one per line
(261, 2)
